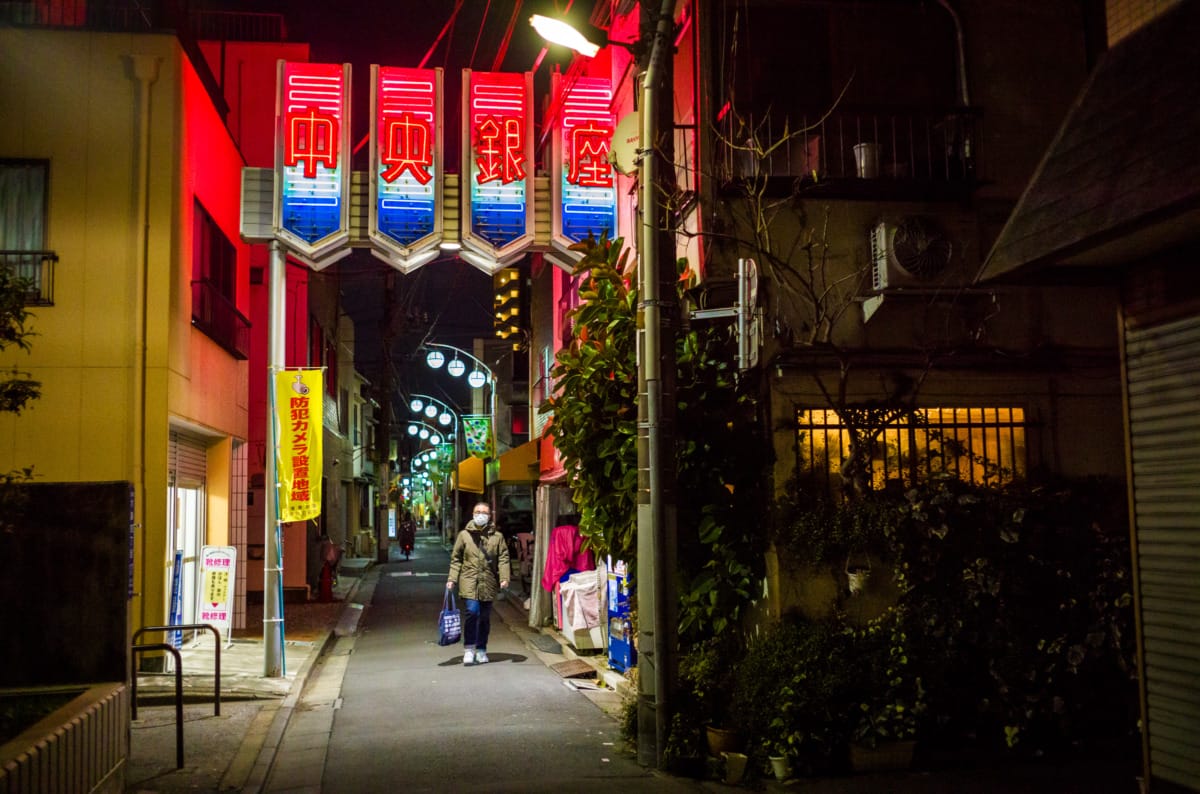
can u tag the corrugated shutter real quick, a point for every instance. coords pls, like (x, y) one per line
(187, 459)
(1164, 424)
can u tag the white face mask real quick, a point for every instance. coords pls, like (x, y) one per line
(481, 519)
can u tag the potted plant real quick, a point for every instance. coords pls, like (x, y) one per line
(707, 673)
(893, 697)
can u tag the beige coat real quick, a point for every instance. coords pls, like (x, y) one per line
(478, 575)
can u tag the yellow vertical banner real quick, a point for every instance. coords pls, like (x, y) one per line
(298, 417)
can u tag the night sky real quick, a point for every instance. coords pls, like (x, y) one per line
(447, 300)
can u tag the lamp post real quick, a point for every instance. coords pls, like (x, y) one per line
(657, 608)
(445, 416)
(435, 358)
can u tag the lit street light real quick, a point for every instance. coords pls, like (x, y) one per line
(656, 534)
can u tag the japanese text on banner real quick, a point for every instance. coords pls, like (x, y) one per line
(298, 412)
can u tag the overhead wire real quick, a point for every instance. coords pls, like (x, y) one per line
(503, 49)
(449, 24)
(479, 36)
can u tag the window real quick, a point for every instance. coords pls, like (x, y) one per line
(979, 445)
(214, 286)
(24, 197)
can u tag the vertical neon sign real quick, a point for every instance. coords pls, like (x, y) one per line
(406, 161)
(311, 146)
(584, 184)
(498, 163)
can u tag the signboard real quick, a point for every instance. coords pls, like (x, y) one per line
(298, 408)
(582, 176)
(498, 164)
(175, 638)
(406, 164)
(312, 159)
(218, 569)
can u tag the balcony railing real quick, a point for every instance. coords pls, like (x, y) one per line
(219, 319)
(859, 152)
(37, 269)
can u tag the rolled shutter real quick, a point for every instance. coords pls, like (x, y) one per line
(1164, 430)
(187, 459)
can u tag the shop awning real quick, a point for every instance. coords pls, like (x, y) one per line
(470, 475)
(519, 464)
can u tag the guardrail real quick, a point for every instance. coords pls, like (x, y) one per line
(162, 646)
(178, 676)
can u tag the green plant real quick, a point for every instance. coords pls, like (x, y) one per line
(719, 464)
(793, 688)
(890, 692)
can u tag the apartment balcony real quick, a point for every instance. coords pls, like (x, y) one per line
(867, 154)
(36, 269)
(219, 319)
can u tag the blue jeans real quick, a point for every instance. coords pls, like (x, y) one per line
(478, 624)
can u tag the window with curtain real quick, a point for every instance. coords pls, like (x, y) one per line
(23, 209)
(980, 445)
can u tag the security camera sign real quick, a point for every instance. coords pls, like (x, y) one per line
(218, 568)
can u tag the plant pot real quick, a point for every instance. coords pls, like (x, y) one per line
(735, 766)
(883, 757)
(721, 741)
(781, 766)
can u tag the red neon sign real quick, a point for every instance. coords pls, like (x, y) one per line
(407, 146)
(589, 165)
(312, 138)
(501, 150)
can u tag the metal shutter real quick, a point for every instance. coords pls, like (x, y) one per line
(187, 459)
(1164, 429)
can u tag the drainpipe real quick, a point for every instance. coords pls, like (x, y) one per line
(961, 52)
(145, 71)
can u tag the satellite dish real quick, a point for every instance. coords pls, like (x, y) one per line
(627, 138)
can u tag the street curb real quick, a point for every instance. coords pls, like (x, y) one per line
(273, 735)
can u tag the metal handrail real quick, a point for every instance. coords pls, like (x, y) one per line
(162, 646)
(216, 649)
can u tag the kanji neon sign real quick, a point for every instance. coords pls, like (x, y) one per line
(585, 196)
(497, 161)
(312, 216)
(311, 140)
(407, 146)
(406, 192)
(500, 150)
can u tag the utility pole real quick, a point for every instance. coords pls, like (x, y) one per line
(657, 318)
(274, 665)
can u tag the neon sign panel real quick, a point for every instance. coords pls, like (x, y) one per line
(585, 195)
(498, 164)
(311, 208)
(406, 158)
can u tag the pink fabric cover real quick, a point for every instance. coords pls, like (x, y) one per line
(563, 554)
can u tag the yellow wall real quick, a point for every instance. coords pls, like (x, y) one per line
(71, 97)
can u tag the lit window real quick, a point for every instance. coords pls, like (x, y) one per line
(979, 445)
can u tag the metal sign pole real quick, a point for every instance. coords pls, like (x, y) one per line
(273, 660)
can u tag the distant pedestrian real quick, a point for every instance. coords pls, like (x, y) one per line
(479, 567)
(330, 556)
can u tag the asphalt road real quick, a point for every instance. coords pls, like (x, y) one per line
(413, 718)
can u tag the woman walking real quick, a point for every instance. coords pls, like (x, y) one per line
(479, 567)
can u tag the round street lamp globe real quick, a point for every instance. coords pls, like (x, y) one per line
(476, 379)
(435, 359)
(412, 430)
(423, 433)
(431, 410)
(435, 439)
(456, 368)
(445, 419)
(416, 405)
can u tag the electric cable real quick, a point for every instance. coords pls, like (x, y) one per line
(479, 36)
(449, 24)
(503, 49)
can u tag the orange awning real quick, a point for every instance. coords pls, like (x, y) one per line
(470, 475)
(520, 464)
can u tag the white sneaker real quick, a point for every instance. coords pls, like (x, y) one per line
(481, 656)
(469, 657)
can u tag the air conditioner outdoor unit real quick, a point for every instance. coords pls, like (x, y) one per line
(914, 252)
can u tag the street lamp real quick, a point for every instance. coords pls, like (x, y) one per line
(430, 407)
(656, 509)
(481, 375)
